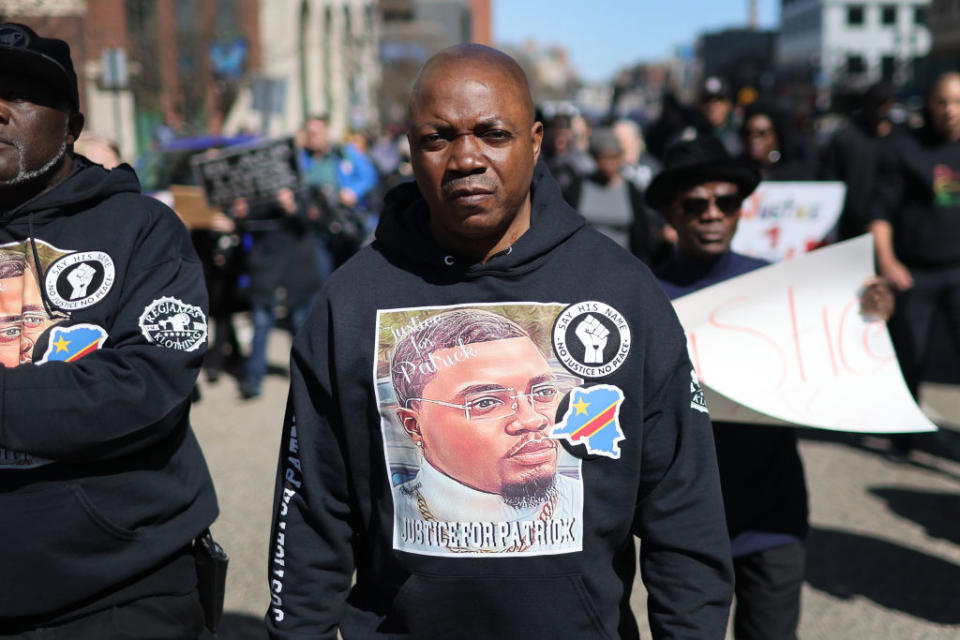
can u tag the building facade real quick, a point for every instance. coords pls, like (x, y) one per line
(852, 43)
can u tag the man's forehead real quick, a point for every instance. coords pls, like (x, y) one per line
(458, 80)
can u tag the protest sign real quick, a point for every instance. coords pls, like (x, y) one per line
(787, 344)
(781, 220)
(253, 172)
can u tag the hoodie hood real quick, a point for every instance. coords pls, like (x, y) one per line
(403, 231)
(86, 185)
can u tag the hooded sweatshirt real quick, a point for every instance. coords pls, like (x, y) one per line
(102, 483)
(396, 423)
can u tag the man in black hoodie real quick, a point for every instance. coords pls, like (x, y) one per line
(484, 234)
(102, 321)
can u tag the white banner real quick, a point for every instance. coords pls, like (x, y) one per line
(782, 220)
(786, 344)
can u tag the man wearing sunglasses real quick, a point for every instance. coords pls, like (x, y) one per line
(764, 491)
(481, 420)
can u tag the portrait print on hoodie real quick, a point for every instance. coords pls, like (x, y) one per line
(468, 397)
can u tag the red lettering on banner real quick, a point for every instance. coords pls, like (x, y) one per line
(752, 332)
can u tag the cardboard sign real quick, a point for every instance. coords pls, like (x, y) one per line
(786, 344)
(782, 220)
(252, 172)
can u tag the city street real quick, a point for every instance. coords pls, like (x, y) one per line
(883, 553)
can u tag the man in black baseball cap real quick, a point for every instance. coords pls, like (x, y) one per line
(103, 487)
(39, 113)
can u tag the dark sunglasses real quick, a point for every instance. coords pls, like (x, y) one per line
(728, 204)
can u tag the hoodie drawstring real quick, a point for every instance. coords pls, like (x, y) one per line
(36, 263)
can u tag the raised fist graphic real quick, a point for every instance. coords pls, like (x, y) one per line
(80, 278)
(593, 335)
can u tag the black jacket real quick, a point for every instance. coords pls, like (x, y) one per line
(918, 191)
(102, 481)
(282, 262)
(345, 503)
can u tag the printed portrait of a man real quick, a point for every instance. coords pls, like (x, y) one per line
(477, 397)
(23, 317)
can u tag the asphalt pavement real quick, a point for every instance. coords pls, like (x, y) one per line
(883, 551)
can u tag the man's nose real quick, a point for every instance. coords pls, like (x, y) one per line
(526, 418)
(713, 211)
(466, 155)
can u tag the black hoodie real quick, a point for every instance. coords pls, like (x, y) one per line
(438, 554)
(102, 483)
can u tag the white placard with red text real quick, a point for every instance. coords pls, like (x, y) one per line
(782, 220)
(787, 344)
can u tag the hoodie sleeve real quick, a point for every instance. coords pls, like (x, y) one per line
(132, 391)
(311, 554)
(685, 558)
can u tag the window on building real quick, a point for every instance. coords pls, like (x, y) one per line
(888, 15)
(856, 65)
(920, 16)
(888, 67)
(855, 13)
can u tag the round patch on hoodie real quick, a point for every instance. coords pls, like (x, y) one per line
(591, 339)
(79, 280)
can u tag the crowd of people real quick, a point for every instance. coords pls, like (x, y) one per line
(491, 398)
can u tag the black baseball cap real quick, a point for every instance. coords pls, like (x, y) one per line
(45, 60)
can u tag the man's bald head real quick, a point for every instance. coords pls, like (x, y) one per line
(473, 56)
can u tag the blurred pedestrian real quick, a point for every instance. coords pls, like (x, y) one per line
(283, 271)
(614, 205)
(851, 156)
(772, 144)
(915, 221)
(716, 107)
(639, 165)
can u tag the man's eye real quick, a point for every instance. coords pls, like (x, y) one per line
(497, 135)
(10, 333)
(32, 320)
(545, 394)
(484, 404)
(431, 140)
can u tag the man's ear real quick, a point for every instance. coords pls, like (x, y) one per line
(537, 134)
(74, 127)
(410, 420)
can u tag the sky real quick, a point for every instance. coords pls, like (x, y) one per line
(603, 35)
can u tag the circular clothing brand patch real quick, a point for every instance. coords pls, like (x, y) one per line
(591, 339)
(174, 324)
(79, 280)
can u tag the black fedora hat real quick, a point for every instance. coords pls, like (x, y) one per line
(44, 60)
(693, 162)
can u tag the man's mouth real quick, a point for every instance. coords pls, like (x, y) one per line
(534, 451)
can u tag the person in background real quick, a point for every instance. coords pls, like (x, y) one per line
(99, 149)
(567, 162)
(614, 205)
(716, 107)
(283, 270)
(851, 156)
(700, 191)
(639, 165)
(915, 221)
(340, 176)
(772, 144)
